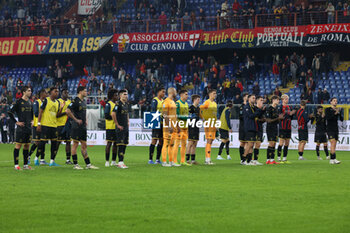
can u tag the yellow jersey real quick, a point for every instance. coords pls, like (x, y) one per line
(182, 112)
(223, 119)
(50, 109)
(209, 110)
(36, 108)
(108, 115)
(62, 120)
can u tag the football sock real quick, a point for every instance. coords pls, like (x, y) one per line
(114, 156)
(333, 156)
(75, 159)
(53, 149)
(249, 157)
(68, 155)
(183, 150)
(221, 148)
(256, 154)
(285, 152)
(107, 155)
(318, 151)
(227, 148)
(87, 161)
(279, 151)
(193, 157)
(241, 152)
(301, 153)
(273, 150)
(151, 151)
(269, 153)
(165, 150)
(171, 152)
(25, 157)
(121, 153)
(15, 156)
(188, 157)
(159, 151)
(326, 150)
(32, 149)
(42, 150)
(176, 150)
(208, 150)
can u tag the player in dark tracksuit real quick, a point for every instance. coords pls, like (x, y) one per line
(321, 133)
(285, 130)
(250, 115)
(241, 131)
(260, 133)
(333, 114)
(303, 118)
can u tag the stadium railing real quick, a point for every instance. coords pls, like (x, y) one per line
(213, 23)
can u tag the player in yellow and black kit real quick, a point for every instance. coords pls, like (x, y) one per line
(182, 113)
(120, 117)
(224, 129)
(111, 134)
(63, 124)
(47, 125)
(23, 108)
(157, 134)
(35, 134)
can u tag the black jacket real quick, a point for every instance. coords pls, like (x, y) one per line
(250, 115)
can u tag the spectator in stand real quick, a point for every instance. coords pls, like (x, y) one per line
(19, 83)
(206, 91)
(186, 22)
(275, 71)
(82, 82)
(319, 96)
(284, 75)
(152, 11)
(325, 96)
(18, 94)
(102, 86)
(277, 92)
(163, 21)
(222, 74)
(330, 13)
(64, 85)
(34, 77)
(236, 7)
(178, 81)
(240, 85)
(316, 66)
(193, 20)
(256, 89)
(128, 83)
(293, 70)
(10, 84)
(93, 83)
(202, 17)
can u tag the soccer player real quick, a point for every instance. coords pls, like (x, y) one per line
(120, 116)
(182, 136)
(250, 114)
(260, 132)
(23, 108)
(35, 134)
(285, 130)
(224, 129)
(333, 114)
(76, 111)
(272, 119)
(320, 133)
(209, 113)
(111, 134)
(170, 128)
(63, 125)
(241, 133)
(47, 125)
(157, 134)
(193, 132)
(303, 118)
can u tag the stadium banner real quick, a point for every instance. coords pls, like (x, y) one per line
(140, 138)
(12, 46)
(88, 7)
(229, 38)
(156, 42)
(327, 33)
(280, 36)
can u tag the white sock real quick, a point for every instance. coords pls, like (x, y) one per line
(284, 159)
(52, 161)
(36, 158)
(17, 165)
(121, 163)
(271, 160)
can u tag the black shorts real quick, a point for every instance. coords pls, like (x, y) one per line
(320, 138)
(35, 135)
(250, 136)
(285, 134)
(272, 135)
(63, 135)
(79, 134)
(111, 135)
(48, 133)
(333, 135)
(193, 134)
(224, 134)
(122, 137)
(260, 136)
(23, 135)
(303, 135)
(241, 135)
(157, 133)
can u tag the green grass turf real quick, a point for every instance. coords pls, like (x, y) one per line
(306, 196)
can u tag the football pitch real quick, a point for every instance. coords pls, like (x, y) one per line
(305, 196)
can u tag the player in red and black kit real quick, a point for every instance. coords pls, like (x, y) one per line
(333, 114)
(285, 129)
(303, 118)
(320, 133)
